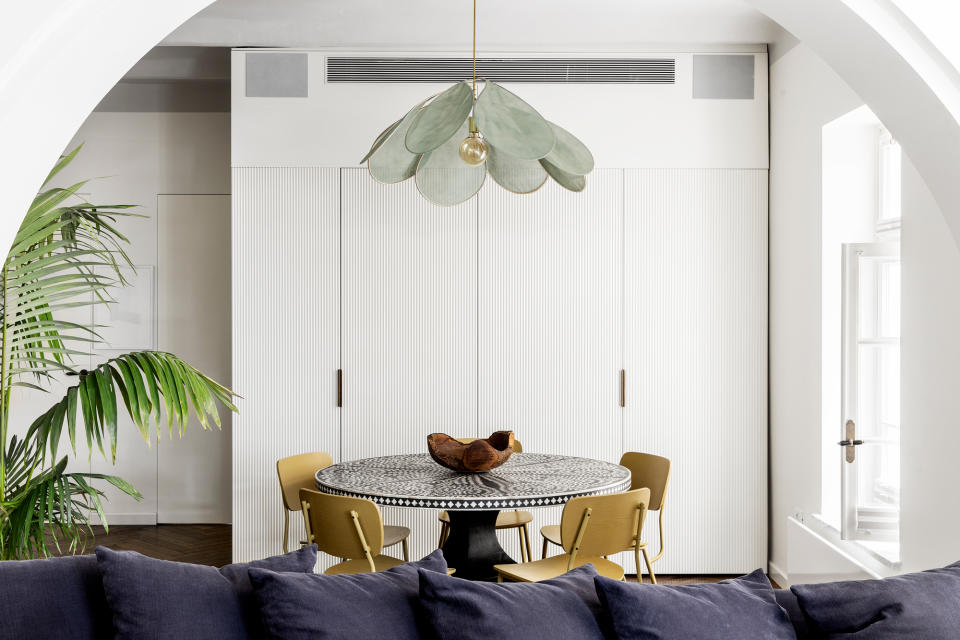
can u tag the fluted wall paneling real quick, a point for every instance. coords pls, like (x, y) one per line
(508, 312)
(695, 355)
(286, 338)
(409, 327)
(550, 291)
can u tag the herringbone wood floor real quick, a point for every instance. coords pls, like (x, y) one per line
(211, 544)
(197, 543)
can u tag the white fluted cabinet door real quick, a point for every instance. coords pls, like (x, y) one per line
(286, 346)
(409, 327)
(550, 291)
(695, 355)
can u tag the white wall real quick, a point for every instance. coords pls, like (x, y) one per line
(930, 378)
(133, 158)
(625, 126)
(805, 96)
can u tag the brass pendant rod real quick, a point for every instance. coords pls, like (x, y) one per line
(474, 50)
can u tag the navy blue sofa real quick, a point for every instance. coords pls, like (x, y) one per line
(65, 598)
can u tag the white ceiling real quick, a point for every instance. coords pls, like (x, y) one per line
(546, 25)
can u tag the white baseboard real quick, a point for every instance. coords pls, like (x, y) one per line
(192, 517)
(140, 519)
(778, 575)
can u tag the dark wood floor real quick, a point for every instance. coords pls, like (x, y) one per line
(211, 544)
(197, 543)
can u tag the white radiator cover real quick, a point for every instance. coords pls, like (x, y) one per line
(509, 311)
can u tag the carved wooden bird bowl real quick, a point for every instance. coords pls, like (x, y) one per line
(475, 456)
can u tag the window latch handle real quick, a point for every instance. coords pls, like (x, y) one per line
(850, 442)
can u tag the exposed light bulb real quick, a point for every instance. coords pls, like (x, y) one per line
(473, 149)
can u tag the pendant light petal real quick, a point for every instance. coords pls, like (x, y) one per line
(566, 180)
(381, 139)
(511, 125)
(443, 178)
(569, 154)
(440, 119)
(389, 160)
(514, 174)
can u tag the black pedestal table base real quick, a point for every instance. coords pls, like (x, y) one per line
(472, 547)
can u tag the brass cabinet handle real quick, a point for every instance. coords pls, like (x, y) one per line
(623, 387)
(339, 387)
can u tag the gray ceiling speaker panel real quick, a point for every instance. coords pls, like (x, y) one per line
(535, 70)
(725, 77)
(276, 74)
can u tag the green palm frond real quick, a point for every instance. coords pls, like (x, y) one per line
(69, 254)
(146, 382)
(48, 510)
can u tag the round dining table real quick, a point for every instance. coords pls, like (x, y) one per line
(473, 500)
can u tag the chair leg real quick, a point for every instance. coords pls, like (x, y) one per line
(526, 542)
(545, 543)
(286, 530)
(406, 551)
(444, 531)
(646, 560)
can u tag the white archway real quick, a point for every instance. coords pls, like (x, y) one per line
(59, 58)
(62, 56)
(892, 67)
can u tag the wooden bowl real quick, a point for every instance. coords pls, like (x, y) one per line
(476, 456)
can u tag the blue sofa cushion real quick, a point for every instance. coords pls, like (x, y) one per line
(788, 600)
(53, 598)
(564, 607)
(163, 600)
(740, 608)
(365, 605)
(915, 605)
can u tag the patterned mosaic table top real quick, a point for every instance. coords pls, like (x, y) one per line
(525, 481)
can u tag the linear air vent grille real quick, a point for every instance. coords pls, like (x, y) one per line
(550, 70)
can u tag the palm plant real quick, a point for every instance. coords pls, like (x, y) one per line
(67, 257)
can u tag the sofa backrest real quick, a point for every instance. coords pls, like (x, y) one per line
(54, 598)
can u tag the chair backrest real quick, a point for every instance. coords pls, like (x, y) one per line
(332, 526)
(612, 526)
(648, 470)
(517, 447)
(296, 472)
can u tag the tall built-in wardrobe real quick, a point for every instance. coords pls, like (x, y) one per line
(629, 317)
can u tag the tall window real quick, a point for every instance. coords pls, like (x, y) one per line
(870, 429)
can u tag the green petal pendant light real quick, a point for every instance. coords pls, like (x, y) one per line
(450, 140)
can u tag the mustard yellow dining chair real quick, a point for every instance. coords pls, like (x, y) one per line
(297, 472)
(348, 528)
(591, 528)
(646, 470)
(515, 519)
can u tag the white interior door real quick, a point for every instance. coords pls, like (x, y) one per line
(409, 308)
(193, 298)
(695, 358)
(550, 329)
